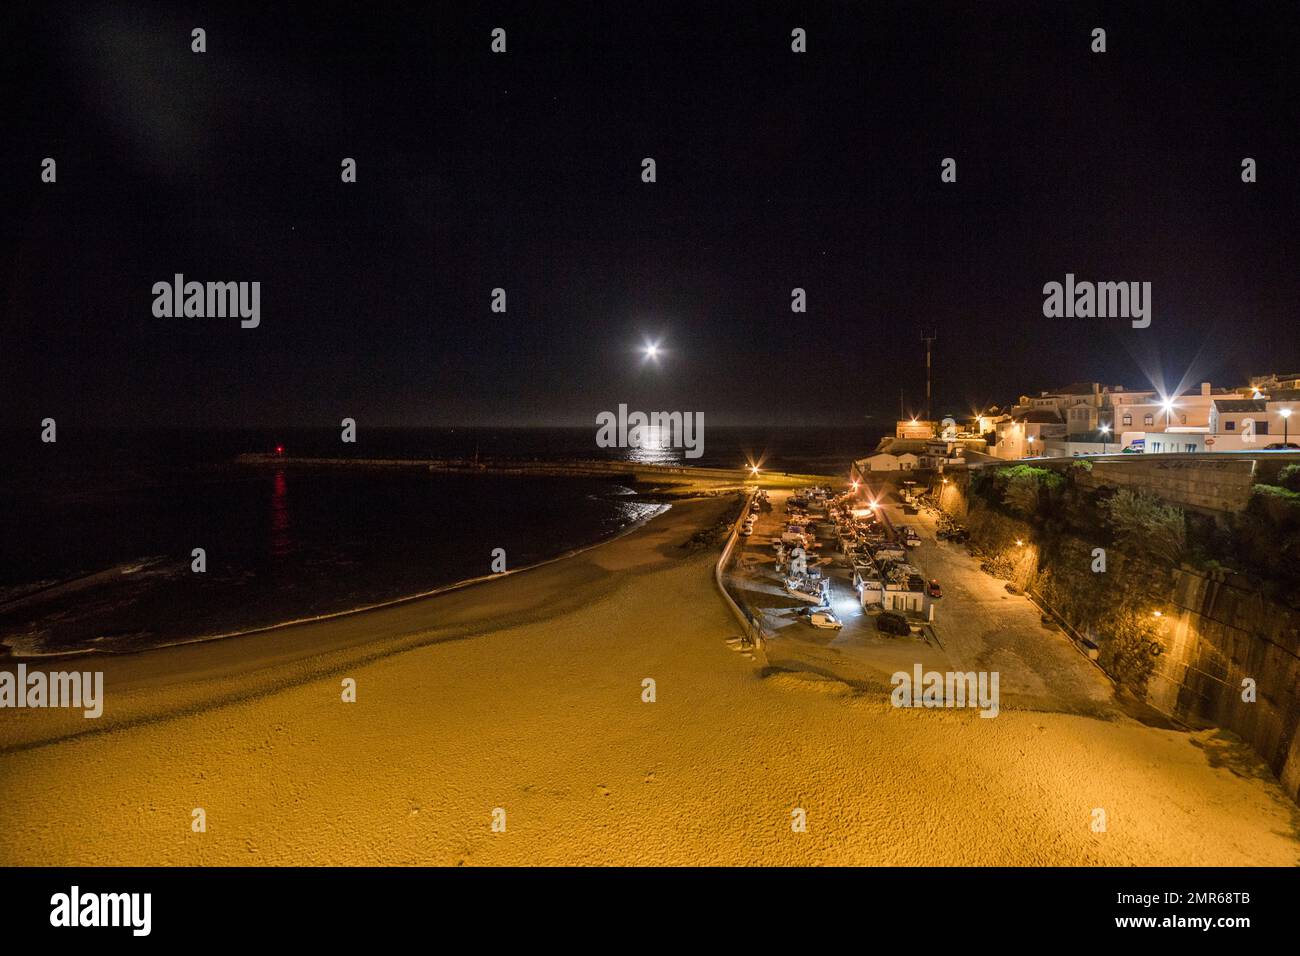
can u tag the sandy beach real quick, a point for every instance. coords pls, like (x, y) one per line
(525, 695)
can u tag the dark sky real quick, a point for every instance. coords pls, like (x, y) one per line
(522, 170)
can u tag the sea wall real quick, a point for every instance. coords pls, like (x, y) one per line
(1208, 485)
(1217, 632)
(1225, 633)
(1205, 485)
(576, 467)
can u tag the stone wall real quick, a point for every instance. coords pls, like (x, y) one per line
(1213, 485)
(1219, 629)
(1223, 632)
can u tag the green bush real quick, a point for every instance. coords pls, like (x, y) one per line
(1020, 496)
(1277, 492)
(1289, 478)
(1146, 526)
(1021, 490)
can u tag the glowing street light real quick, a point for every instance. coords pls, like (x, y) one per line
(1286, 420)
(651, 351)
(1105, 430)
(753, 470)
(855, 486)
(1168, 405)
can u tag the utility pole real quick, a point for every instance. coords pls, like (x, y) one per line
(929, 341)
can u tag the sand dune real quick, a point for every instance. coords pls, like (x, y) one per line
(538, 712)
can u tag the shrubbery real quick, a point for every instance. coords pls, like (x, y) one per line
(1021, 490)
(1144, 525)
(1289, 478)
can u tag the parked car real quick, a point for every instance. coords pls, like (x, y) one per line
(825, 620)
(934, 589)
(820, 617)
(892, 622)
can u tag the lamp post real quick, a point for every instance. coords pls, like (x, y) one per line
(1105, 430)
(1286, 420)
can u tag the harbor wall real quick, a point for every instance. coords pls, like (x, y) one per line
(1205, 485)
(1227, 647)
(1229, 642)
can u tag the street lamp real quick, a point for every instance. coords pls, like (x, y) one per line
(1286, 420)
(1168, 405)
(1105, 430)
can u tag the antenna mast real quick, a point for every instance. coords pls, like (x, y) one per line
(929, 341)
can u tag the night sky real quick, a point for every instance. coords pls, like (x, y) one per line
(522, 170)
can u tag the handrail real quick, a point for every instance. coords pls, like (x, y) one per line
(753, 629)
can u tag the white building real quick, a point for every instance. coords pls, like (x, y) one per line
(1246, 424)
(900, 588)
(1026, 432)
(887, 461)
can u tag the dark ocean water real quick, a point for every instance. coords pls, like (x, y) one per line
(98, 528)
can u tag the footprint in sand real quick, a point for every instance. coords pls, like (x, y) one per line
(602, 790)
(650, 777)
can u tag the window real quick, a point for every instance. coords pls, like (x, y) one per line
(1189, 448)
(1128, 418)
(1148, 421)
(1229, 426)
(1182, 419)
